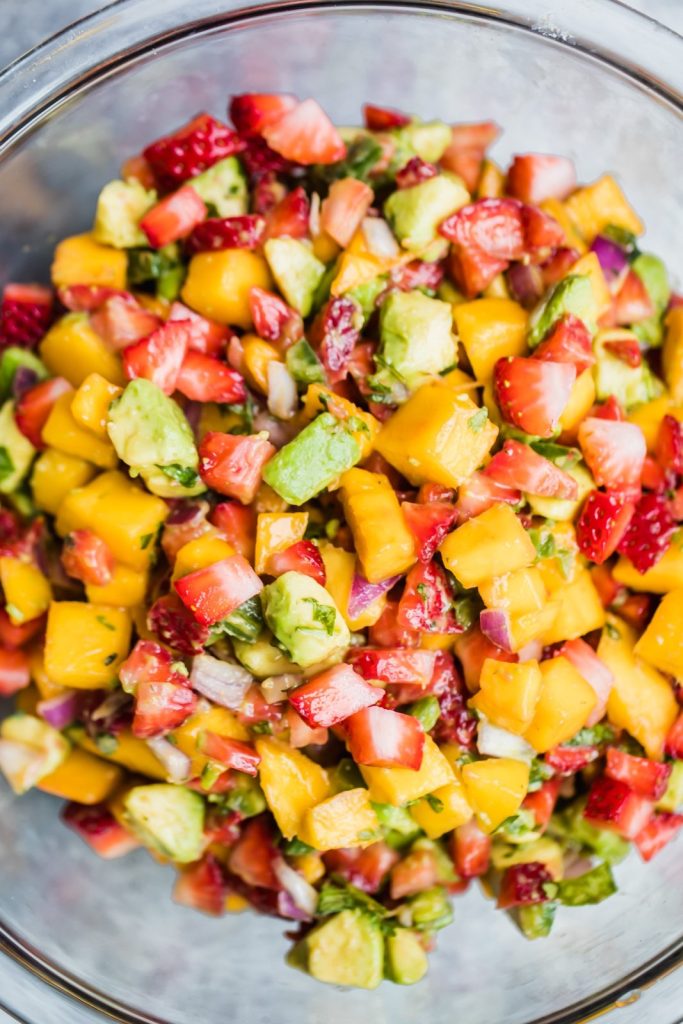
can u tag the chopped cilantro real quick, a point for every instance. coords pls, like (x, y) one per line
(466, 612)
(435, 803)
(612, 631)
(592, 737)
(422, 592)
(184, 475)
(323, 613)
(6, 464)
(478, 420)
(104, 621)
(296, 847)
(146, 540)
(110, 659)
(544, 542)
(261, 728)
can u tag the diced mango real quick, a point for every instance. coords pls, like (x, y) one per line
(581, 399)
(91, 403)
(661, 644)
(579, 610)
(559, 212)
(81, 260)
(672, 353)
(73, 350)
(398, 786)
(641, 700)
(45, 686)
(130, 752)
(56, 474)
(344, 820)
(276, 531)
(594, 207)
(291, 782)
(491, 181)
(83, 778)
(495, 788)
(384, 544)
(320, 399)
(120, 512)
(199, 553)
(564, 705)
(436, 436)
(665, 575)
(219, 720)
(27, 592)
(490, 329)
(126, 589)
(493, 543)
(258, 354)
(531, 625)
(589, 266)
(436, 641)
(218, 284)
(517, 592)
(62, 431)
(85, 643)
(311, 866)
(454, 810)
(649, 416)
(562, 567)
(357, 265)
(508, 693)
(340, 567)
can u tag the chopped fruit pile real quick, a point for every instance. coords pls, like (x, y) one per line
(341, 538)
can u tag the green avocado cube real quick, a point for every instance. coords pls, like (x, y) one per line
(405, 957)
(120, 207)
(223, 187)
(592, 887)
(417, 339)
(415, 213)
(653, 273)
(672, 801)
(573, 294)
(305, 620)
(317, 456)
(16, 451)
(631, 385)
(13, 359)
(428, 139)
(296, 270)
(536, 919)
(347, 949)
(168, 819)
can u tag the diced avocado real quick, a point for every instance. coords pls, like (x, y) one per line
(262, 658)
(304, 365)
(415, 213)
(163, 266)
(322, 292)
(246, 622)
(416, 338)
(29, 750)
(151, 435)
(672, 801)
(447, 292)
(563, 510)
(296, 270)
(223, 187)
(347, 949)
(168, 819)
(16, 451)
(428, 139)
(305, 619)
(245, 796)
(317, 456)
(652, 272)
(592, 887)
(405, 957)
(346, 775)
(13, 359)
(431, 910)
(366, 295)
(571, 825)
(573, 294)
(536, 919)
(631, 385)
(544, 850)
(398, 825)
(120, 207)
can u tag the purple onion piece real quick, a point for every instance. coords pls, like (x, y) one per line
(525, 284)
(364, 593)
(221, 681)
(24, 379)
(495, 625)
(193, 413)
(611, 256)
(187, 512)
(60, 711)
(298, 899)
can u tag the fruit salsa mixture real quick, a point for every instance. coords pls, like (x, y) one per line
(341, 546)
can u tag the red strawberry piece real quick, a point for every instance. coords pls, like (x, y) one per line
(473, 270)
(558, 265)
(531, 393)
(334, 333)
(121, 320)
(194, 148)
(594, 671)
(676, 504)
(472, 650)
(365, 869)
(434, 492)
(387, 633)
(415, 873)
(660, 830)
(611, 409)
(456, 723)
(603, 521)
(396, 665)
(238, 523)
(568, 341)
(202, 886)
(273, 319)
(645, 777)
(303, 557)
(605, 584)
(35, 405)
(25, 314)
(302, 735)
(523, 884)
(100, 829)
(147, 662)
(429, 523)
(205, 379)
(385, 739)
(417, 274)
(217, 233)
(174, 625)
(649, 532)
(674, 739)
(250, 112)
(86, 298)
(637, 610)
(382, 119)
(542, 233)
(214, 592)
(174, 217)
(306, 135)
(262, 165)
(427, 601)
(87, 558)
(481, 492)
(253, 855)
(625, 349)
(415, 171)
(615, 452)
(289, 217)
(13, 636)
(205, 336)
(14, 672)
(344, 208)
(334, 695)
(569, 760)
(161, 707)
(542, 802)
(233, 464)
(519, 466)
(632, 303)
(669, 448)
(255, 708)
(159, 357)
(465, 153)
(471, 850)
(533, 177)
(492, 226)
(614, 805)
(234, 754)
(654, 478)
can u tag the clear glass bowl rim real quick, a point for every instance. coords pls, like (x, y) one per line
(36, 84)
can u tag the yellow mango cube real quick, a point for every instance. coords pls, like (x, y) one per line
(83, 778)
(85, 643)
(491, 181)
(320, 399)
(90, 404)
(340, 567)
(495, 788)
(672, 353)
(384, 544)
(649, 416)
(581, 400)
(344, 820)
(589, 266)
(27, 592)
(579, 610)
(563, 707)
(258, 354)
(398, 786)
(454, 810)
(661, 644)
(437, 436)
(56, 474)
(81, 260)
(73, 350)
(517, 592)
(532, 625)
(130, 752)
(493, 543)
(126, 588)
(508, 693)
(63, 432)
(120, 512)
(593, 207)
(663, 576)
(311, 866)
(219, 720)
(44, 685)
(641, 700)
(539, 851)
(559, 212)
(292, 784)
(276, 531)
(218, 284)
(201, 552)
(490, 329)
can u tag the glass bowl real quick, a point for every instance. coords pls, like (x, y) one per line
(590, 79)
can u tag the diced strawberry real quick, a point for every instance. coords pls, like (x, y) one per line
(366, 869)
(594, 671)
(174, 217)
(568, 760)
(660, 830)
(233, 464)
(305, 134)
(465, 153)
(434, 492)
(14, 672)
(255, 708)
(542, 802)
(205, 336)
(235, 754)
(273, 319)
(669, 448)
(568, 341)
(331, 697)
(611, 409)
(472, 649)
(558, 265)
(148, 662)
(637, 610)
(603, 521)
(471, 850)
(473, 270)
(174, 625)
(493, 226)
(86, 557)
(429, 523)
(519, 466)
(302, 735)
(250, 112)
(192, 149)
(632, 302)
(216, 233)
(417, 872)
(456, 723)
(542, 233)
(161, 707)
(480, 492)
(532, 394)
(627, 350)
(526, 285)
(121, 320)
(302, 557)
(385, 739)
(653, 477)
(238, 523)
(289, 217)
(100, 829)
(202, 886)
(34, 407)
(523, 885)
(203, 378)
(263, 164)
(394, 665)
(12, 636)
(613, 805)
(159, 357)
(645, 777)
(213, 593)
(674, 739)
(343, 209)
(86, 298)
(614, 451)
(427, 601)
(382, 119)
(136, 168)
(605, 584)
(649, 532)
(413, 172)
(676, 504)
(533, 177)
(334, 333)
(254, 853)
(387, 632)
(417, 274)
(25, 314)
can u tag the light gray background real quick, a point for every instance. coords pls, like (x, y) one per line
(23, 23)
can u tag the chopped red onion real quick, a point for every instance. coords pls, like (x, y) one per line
(611, 257)
(60, 711)
(193, 415)
(24, 379)
(177, 764)
(275, 688)
(495, 742)
(184, 512)
(279, 432)
(495, 625)
(525, 283)
(283, 397)
(302, 894)
(221, 681)
(364, 593)
(110, 707)
(379, 238)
